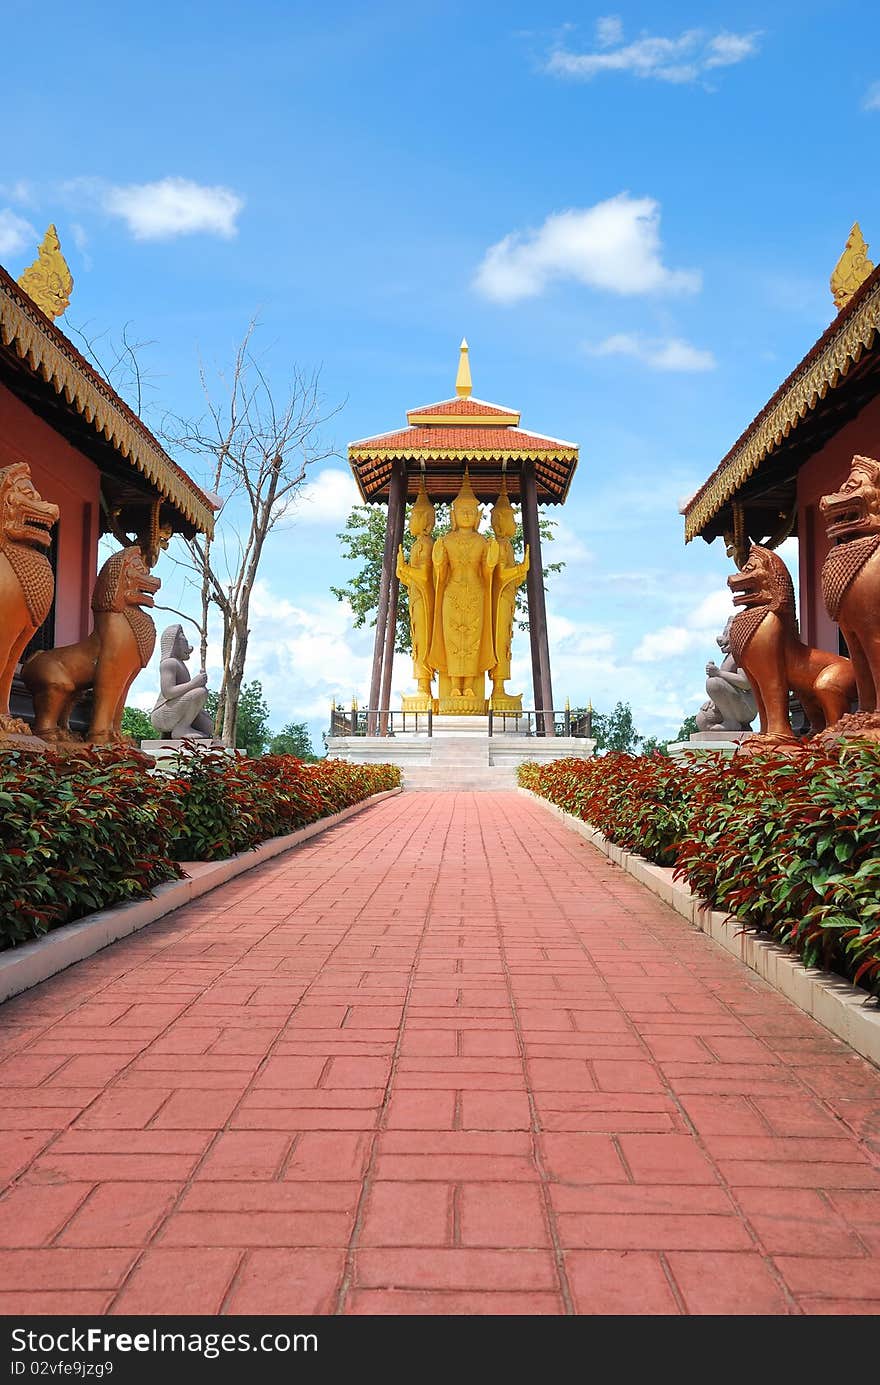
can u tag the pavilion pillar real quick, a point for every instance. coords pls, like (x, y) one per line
(396, 517)
(396, 507)
(537, 608)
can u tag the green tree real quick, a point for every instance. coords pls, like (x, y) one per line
(293, 739)
(651, 745)
(616, 730)
(687, 729)
(137, 724)
(252, 729)
(363, 542)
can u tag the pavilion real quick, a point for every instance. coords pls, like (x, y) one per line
(800, 445)
(440, 441)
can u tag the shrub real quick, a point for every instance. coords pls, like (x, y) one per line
(77, 833)
(788, 845)
(638, 801)
(230, 803)
(82, 831)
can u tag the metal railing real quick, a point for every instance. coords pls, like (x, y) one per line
(365, 721)
(538, 723)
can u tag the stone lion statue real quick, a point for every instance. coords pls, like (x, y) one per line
(731, 703)
(178, 711)
(27, 584)
(851, 585)
(764, 641)
(107, 660)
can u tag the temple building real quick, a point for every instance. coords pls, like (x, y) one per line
(465, 452)
(801, 444)
(88, 453)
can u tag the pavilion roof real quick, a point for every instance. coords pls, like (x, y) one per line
(43, 367)
(444, 437)
(835, 379)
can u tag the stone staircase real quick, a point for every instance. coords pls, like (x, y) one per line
(459, 757)
(459, 762)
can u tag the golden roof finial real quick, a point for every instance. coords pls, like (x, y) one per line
(463, 378)
(48, 280)
(852, 269)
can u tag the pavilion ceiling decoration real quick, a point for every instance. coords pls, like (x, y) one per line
(50, 355)
(825, 367)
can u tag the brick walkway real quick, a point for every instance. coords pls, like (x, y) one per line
(443, 1059)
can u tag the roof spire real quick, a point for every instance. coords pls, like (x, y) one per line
(852, 269)
(463, 378)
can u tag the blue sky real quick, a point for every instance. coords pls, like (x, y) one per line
(631, 212)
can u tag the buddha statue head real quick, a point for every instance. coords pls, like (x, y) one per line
(421, 516)
(465, 507)
(503, 518)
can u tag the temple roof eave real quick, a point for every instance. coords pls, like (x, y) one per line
(853, 332)
(52, 358)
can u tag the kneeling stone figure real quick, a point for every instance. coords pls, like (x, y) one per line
(178, 711)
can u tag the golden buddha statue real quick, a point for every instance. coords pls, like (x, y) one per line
(462, 645)
(417, 576)
(507, 576)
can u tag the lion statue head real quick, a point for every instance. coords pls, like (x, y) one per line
(26, 520)
(764, 582)
(853, 512)
(123, 582)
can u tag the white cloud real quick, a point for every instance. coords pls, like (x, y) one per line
(327, 499)
(669, 353)
(609, 30)
(662, 644)
(20, 191)
(703, 623)
(872, 98)
(677, 60)
(173, 207)
(726, 49)
(16, 234)
(614, 245)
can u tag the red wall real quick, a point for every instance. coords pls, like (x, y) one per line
(823, 473)
(63, 475)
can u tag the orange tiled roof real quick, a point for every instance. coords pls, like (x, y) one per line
(413, 442)
(445, 437)
(464, 408)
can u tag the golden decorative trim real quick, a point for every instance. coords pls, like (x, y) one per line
(811, 385)
(48, 281)
(852, 269)
(99, 406)
(478, 454)
(462, 420)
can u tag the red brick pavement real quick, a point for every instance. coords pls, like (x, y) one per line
(444, 1058)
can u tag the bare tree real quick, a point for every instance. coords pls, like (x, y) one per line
(255, 449)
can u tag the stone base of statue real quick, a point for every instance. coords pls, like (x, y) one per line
(22, 740)
(701, 743)
(852, 726)
(506, 702)
(461, 706)
(417, 702)
(168, 748)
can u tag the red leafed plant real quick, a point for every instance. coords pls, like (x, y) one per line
(82, 831)
(79, 832)
(789, 845)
